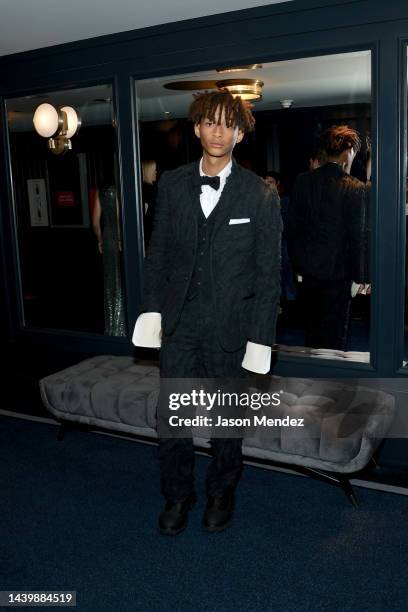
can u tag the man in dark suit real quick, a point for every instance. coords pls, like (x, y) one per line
(328, 238)
(211, 292)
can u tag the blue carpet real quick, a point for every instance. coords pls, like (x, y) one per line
(81, 515)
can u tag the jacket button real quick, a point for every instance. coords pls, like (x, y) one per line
(186, 278)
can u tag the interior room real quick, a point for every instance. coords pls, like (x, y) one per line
(192, 418)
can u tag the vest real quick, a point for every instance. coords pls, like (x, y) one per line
(200, 284)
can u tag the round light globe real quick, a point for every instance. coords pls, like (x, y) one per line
(73, 121)
(46, 120)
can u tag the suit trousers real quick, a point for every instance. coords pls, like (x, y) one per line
(326, 306)
(193, 351)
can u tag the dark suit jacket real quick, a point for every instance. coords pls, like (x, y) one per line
(245, 258)
(328, 227)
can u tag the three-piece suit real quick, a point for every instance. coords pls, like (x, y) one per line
(216, 282)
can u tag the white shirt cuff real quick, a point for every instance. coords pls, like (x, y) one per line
(355, 287)
(257, 358)
(147, 330)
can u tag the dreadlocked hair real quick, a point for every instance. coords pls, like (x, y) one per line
(338, 138)
(236, 112)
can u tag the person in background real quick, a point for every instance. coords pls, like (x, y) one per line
(274, 179)
(369, 164)
(288, 285)
(328, 238)
(149, 194)
(317, 158)
(106, 226)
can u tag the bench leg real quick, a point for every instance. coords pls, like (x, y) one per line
(349, 491)
(63, 428)
(374, 463)
(338, 480)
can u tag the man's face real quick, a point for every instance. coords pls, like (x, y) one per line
(217, 140)
(314, 163)
(270, 180)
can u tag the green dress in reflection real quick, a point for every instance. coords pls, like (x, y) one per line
(112, 277)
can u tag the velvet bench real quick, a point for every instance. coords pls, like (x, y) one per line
(343, 426)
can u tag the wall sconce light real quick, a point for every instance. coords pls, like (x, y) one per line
(247, 89)
(58, 125)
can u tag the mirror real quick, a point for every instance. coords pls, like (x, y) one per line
(324, 308)
(67, 207)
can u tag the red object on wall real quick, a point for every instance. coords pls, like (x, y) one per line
(65, 199)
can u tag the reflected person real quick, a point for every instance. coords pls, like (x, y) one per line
(317, 158)
(106, 225)
(149, 194)
(328, 238)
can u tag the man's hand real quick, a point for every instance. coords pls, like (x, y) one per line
(365, 289)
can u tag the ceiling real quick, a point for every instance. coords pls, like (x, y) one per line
(333, 79)
(33, 24)
(315, 81)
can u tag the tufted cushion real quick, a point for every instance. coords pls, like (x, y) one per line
(107, 391)
(343, 423)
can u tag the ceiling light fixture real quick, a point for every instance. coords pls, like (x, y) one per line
(247, 89)
(58, 125)
(240, 68)
(286, 103)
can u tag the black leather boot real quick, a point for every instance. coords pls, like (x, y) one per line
(174, 518)
(218, 513)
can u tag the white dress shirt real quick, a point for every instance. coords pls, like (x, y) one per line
(209, 197)
(147, 330)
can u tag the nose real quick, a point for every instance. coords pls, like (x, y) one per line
(218, 130)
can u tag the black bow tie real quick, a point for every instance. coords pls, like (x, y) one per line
(212, 181)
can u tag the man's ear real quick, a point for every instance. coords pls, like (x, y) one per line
(197, 130)
(241, 134)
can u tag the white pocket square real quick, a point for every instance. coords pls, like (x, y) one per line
(236, 221)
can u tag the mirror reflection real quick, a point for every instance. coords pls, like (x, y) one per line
(63, 155)
(312, 143)
(405, 352)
